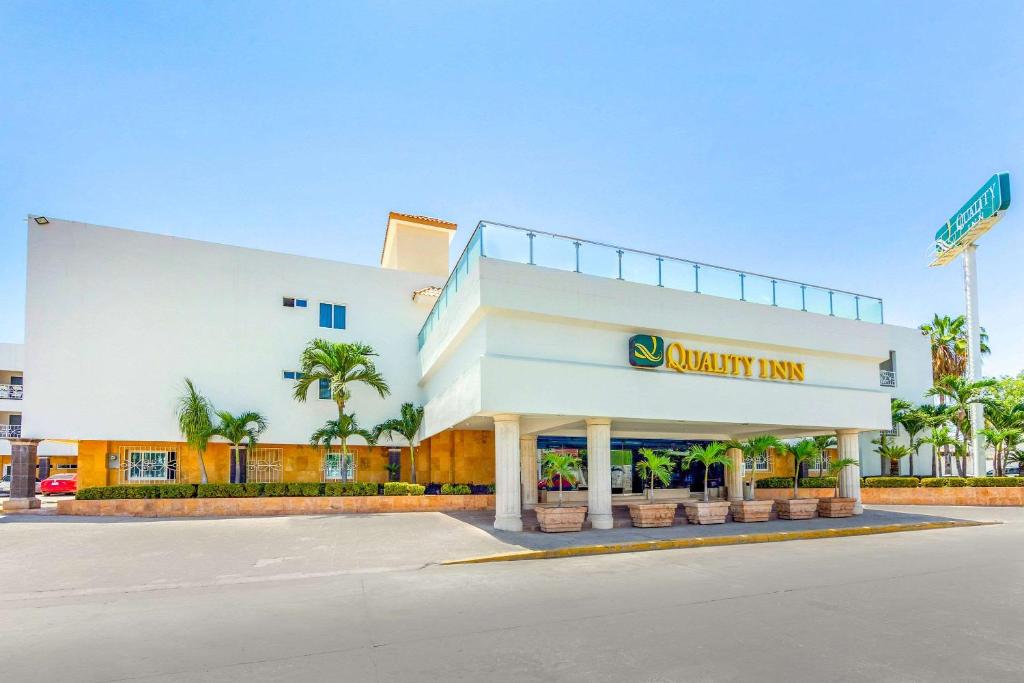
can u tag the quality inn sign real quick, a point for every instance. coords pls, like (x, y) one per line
(649, 351)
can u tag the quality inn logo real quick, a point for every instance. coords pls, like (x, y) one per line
(646, 351)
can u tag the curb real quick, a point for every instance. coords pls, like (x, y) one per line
(711, 541)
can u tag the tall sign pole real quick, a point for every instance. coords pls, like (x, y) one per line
(959, 237)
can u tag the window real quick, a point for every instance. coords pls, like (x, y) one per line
(325, 389)
(763, 464)
(333, 467)
(293, 374)
(333, 316)
(151, 465)
(291, 302)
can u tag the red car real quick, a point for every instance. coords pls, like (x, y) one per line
(59, 483)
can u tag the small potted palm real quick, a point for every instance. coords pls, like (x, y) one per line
(656, 466)
(796, 507)
(560, 468)
(707, 511)
(836, 506)
(750, 509)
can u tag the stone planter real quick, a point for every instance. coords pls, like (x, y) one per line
(797, 508)
(714, 512)
(652, 514)
(558, 519)
(836, 507)
(751, 510)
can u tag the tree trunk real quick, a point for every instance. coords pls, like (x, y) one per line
(706, 498)
(912, 463)
(412, 462)
(202, 468)
(344, 460)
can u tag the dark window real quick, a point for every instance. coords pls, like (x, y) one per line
(339, 317)
(325, 315)
(300, 303)
(325, 388)
(332, 315)
(290, 303)
(16, 380)
(289, 374)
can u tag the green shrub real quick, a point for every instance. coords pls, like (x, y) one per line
(92, 493)
(818, 482)
(401, 488)
(220, 490)
(177, 491)
(350, 488)
(775, 483)
(944, 482)
(996, 481)
(891, 482)
(295, 488)
(275, 489)
(455, 490)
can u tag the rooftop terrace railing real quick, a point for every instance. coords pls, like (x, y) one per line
(535, 247)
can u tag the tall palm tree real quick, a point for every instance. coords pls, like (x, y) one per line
(563, 467)
(802, 451)
(1005, 425)
(948, 337)
(961, 393)
(897, 408)
(341, 365)
(712, 454)
(835, 468)
(407, 425)
(939, 439)
(342, 429)
(656, 465)
(194, 423)
(914, 421)
(753, 448)
(238, 428)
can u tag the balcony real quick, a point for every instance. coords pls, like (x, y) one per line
(534, 247)
(887, 378)
(10, 431)
(12, 391)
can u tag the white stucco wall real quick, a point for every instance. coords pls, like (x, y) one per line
(116, 319)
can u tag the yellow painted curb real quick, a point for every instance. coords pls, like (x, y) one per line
(702, 541)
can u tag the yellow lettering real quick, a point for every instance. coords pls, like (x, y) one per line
(675, 357)
(796, 371)
(706, 362)
(764, 368)
(693, 360)
(779, 370)
(747, 362)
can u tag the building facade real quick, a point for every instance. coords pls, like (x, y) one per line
(531, 338)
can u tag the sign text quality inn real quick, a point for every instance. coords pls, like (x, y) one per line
(648, 351)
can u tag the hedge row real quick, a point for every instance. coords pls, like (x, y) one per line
(805, 482)
(349, 488)
(959, 482)
(890, 482)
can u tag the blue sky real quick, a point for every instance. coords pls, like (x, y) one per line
(822, 142)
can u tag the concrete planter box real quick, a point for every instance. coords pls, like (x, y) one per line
(559, 519)
(836, 507)
(797, 508)
(263, 506)
(699, 512)
(751, 510)
(652, 514)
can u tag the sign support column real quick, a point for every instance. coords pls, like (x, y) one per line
(974, 354)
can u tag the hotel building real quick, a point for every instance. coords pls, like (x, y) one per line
(530, 341)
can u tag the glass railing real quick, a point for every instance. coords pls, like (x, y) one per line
(534, 247)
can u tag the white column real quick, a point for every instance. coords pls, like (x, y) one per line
(734, 474)
(848, 446)
(599, 472)
(977, 411)
(507, 508)
(528, 470)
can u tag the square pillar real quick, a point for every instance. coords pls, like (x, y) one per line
(528, 470)
(23, 475)
(734, 474)
(507, 477)
(848, 446)
(599, 472)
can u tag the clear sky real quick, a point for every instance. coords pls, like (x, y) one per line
(821, 141)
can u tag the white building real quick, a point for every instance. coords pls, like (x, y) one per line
(528, 337)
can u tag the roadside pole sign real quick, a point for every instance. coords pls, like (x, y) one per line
(974, 219)
(958, 237)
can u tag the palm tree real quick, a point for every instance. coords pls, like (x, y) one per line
(340, 365)
(836, 467)
(914, 421)
(753, 448)
(655, 465)
(939, 439)
(238, 428)
(894, 452)
(961, 394)
(948, 337)
(195, 423)
(342, 429)
(897, 408)
(712, 454)
(803, 451)
(407, 425)
(999, 440)
(563, 466)
(1007, 419)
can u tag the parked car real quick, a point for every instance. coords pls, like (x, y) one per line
(5, 485)
(59, 483)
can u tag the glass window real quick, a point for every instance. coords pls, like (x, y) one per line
(332, 315)
(333, 469)
(147, 465)
(300, 303)
(288, 374)
(288, 302)
(326, 315)
(339, 317)
(325, 388)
